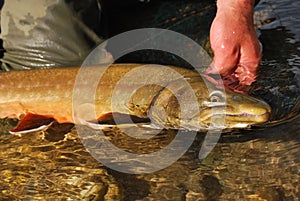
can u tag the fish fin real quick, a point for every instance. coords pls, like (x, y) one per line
(43, 127)
(32, 122)
(151, 126)
(109, 118)
(112, 119)
(96, 126)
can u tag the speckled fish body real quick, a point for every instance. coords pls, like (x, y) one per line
(49, 93)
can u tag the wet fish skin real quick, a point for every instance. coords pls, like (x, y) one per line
(48, 92)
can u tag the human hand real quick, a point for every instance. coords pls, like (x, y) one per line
(237, 51)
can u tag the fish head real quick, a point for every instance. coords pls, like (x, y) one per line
(233, 110)
(199, 105)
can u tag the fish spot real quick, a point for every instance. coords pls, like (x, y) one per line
(67, 94)
(70, 82)
(19, 85)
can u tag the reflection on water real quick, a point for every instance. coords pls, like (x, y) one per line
(260, 164)
(52, 166)
(254, 164)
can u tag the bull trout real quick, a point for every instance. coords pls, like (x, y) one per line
(39, 97)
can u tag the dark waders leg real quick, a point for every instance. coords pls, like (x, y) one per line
(47, 33)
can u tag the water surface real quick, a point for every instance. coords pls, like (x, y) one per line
(257, 164)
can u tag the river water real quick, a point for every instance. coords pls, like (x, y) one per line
(258, 164)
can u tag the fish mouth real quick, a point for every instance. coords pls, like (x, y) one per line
(245, 119)
(234, 119)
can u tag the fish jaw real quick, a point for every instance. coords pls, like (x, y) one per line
(238, 111)
(246, 109)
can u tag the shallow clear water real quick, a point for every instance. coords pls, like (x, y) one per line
(258, 164)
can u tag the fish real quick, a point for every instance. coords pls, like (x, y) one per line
(170, 97)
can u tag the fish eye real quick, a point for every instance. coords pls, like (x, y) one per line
(216, 97)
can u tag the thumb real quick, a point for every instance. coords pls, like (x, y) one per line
(225, 60)
(222, 66)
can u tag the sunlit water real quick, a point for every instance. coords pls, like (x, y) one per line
(258, 164)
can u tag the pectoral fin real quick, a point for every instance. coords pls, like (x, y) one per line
(32, 122)
(113, 118)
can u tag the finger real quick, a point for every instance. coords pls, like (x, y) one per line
(225, 59)
(251, 51)
(217, 82)
(249, 61)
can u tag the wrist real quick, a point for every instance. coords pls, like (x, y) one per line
(243, 7)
